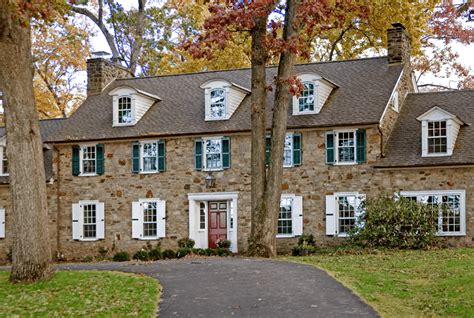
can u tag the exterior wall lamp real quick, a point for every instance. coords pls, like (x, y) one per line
(210, 181)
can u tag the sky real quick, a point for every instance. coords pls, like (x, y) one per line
(466, 53)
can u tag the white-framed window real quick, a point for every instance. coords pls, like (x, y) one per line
(88, 157)
(288, 151)
(346, 147)
(148, 219)
(88, 222)
(202, 215)
(2, 223)
(291, 151)
(307, 98)
(213, 153)
(124, 110)
(290, 217)
(149, 154)
(437, 137)
(452, 209)
(3, 161)
(218, 103)
(343, 211)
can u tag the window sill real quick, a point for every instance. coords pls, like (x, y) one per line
(87, 239)
(447, 234)
(88, 175)
(441, 154)
(285, 236)
(154, 238)
(216, 119)
(345, 163)
(124, 125)
(210, 170)
(4, 175)
(149, 172)
(313, 112)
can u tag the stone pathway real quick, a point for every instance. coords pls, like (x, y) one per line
(244, 287)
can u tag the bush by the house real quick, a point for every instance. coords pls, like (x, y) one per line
(222, 251)
(306, 246)
(121, 257)
(182, 252)
(186, 243)
(224, 243)
(103, 251)
(141, 255)
(155, 254)
(167, 254)
(401, 223)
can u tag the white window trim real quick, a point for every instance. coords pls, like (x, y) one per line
(115, 108)
(156, 237)
(288, 196)
(336, 215)
(336, 147)
(81, 167)
(424, 136)
(296, 106)
(86, 202)
(206, 207)
(226, 106)
(204, 155)
(141, 156)
(2, 150)
(291, 154)
(461, 193)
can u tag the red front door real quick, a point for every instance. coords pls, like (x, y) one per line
(217, 222)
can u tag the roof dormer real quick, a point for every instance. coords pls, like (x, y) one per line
(439, 130)
(316, 91)
(221, 98)
(130, 104)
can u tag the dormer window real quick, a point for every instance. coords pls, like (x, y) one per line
(439, 130)
(218, 103)
(306, 99)
(437, 137)
(125, 115)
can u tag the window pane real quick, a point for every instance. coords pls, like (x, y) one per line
(213, 154)
(306, 99)
(285, 225)
(88, 159)
(288, 150)
(90, 225)
(150, 222)
(346, 147)
(346, 213)
(437, 137)
(125, 110)
(150, 153)
(202, 215)
(217, 103)
(4, 161)
(450, 213)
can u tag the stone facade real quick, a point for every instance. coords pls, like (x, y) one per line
(398, 44)
(101, 73)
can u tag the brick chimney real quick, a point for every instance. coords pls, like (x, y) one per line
(398, 45)
(101, 72)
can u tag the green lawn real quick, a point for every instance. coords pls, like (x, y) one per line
(405, 283)
(81, 293)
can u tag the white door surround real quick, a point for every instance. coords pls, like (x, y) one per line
(200, 235)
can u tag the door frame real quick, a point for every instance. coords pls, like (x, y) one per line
(200, 236)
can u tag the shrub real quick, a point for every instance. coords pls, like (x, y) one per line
(186, 243)
(307, 240)
(155, 254)
(121, 257)
(103, 251)
(401, 223)
(303, 250)
(199, 251)
(88, 259)
(221, 251)
(224, 244)
(167, 254)
(182, 252)
(141, 255)
(210, 252)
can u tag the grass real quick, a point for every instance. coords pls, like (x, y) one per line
(81, 293)
(432, 283)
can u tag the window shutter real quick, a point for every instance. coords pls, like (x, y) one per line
(297, 147)
(76, 170)
(161, 155)
(2, 223)
(330, 148)
(360, 210)
(361, 145)
(136, 157)
(297, 216)
(198, 154)
(100, 219)
(99, 158)
(137, 220)
(161, 218)
(330, 215)
(226, 152)
(77, 221)
(268, 143)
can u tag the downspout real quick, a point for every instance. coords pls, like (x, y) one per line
(382, 149)
(59, 255)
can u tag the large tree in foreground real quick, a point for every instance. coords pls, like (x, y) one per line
(31, 254)
(279, 40)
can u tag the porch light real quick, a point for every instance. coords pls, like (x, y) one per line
(210, 181)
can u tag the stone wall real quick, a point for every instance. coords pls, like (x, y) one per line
(101, 72)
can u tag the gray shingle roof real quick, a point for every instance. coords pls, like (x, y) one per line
(364, 89)
(404, 146)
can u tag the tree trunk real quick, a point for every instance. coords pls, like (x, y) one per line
(138, 39)
(31, 252)
(266, 187)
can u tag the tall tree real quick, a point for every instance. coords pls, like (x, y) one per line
(281, 41)
(31, 254)
(60, 49)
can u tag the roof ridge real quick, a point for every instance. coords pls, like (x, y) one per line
(248, 68)
(444, 92)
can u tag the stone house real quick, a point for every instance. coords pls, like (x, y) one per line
(161, 158)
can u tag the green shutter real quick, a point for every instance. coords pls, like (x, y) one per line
(161, 156)
(330, 148)
(268, 143)
(198, 154)
(297, 146)
(136, 157)
(361, 145)
(76, 170)
(226, 152)
(99, 159)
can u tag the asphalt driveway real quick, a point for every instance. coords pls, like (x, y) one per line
(244, 287)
